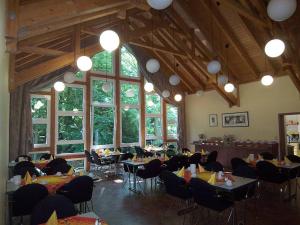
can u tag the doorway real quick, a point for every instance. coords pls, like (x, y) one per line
(289, 133)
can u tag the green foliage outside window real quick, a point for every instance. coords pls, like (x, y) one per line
(79, 75)
(70, 128)
(99, 95)
(126, 90)
(70, 148)
(39, 133)
(172, 120)
(129, 65)
(130, 125)
(71, 99)
(153, 104)
(103, 62)
(39, 108)
(103, 133)
(153, 126)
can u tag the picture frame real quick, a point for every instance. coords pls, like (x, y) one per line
(238, 119)
(213, 120)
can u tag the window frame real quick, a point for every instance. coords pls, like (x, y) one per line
(171, 136)
(130, 106)
(42, 121)
(102, 105)
(71, 113)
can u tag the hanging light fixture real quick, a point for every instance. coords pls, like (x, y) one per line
(59, 86)
(84, 63)
(229, 87)
(153, 64)
(280, 10)
(274, 48)
(129, 93)
(266, 79)
(69, 77)
(106, 87)
(38, 105)
(148, 87)
(222, 79)
(178, 97)
(159, 4)
(109, 40)
(150, 103)
(166, 94)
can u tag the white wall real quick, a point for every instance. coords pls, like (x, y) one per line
(262, 103)
(4, 107)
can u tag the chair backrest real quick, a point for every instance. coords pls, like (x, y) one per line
(88, 156)
(214, 166)
(170, 153)
(235, 162)
(245, 171)
(294, 158)
(266, 169)
(267, 155)
(46, 156)
(96, 158)
(139, 151)
(56, 161)
(23, 167)
(44, 209)
(175, 186)
(126, 156)
(185, 150)
(26, 198)
(153, 167)
(78, 190)
(183, 161)
(195, 158)
(212, 157)
(23, 157)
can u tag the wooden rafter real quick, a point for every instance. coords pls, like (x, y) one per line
(40, 51)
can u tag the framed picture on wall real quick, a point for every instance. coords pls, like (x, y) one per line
(238, 119)
(213, 120)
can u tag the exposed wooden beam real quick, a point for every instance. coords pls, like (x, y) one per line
(12, 23)
(294, 77)
(40, 51)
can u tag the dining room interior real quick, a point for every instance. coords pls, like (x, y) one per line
(149, 112)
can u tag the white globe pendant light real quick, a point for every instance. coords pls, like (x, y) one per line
(267, 80)
(213, 67)
(69, 77)
(129, 93)
(229, 87)
(106, 87)
(152, 65)
(280, 10)
(148, 87)
(109, 40)
(84, 63)
(274, 48)
(178, 97)
(159, 4)
(59, 86)
(166, 94)
(174, 80)
(222, 80)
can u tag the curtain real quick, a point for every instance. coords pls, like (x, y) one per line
(161, 83)
(20, 121)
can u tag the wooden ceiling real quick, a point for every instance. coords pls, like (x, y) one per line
(45, 35)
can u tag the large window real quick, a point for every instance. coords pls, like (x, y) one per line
(103, 62)
(70, 118)
(40, 112)
(153, 119)
(172, 121)
(103, 114)
(130, 112)
(129, 65)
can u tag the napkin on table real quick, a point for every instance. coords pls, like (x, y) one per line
(212, 179)
(201, 169)
(53, 219)
(71, 171)
(27, 178)
(287, 161)
(180, 173)
(107, 152)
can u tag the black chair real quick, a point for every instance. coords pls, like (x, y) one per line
(244, 170)
(142, 153)
(99, 163)
(177, 162)
(79, 191)
(206, 196)
(183, 161)
(170, 153)
(212, 157)
(26, 198)
(185, 150)
(56, 165)
(267, 155)
(214, 166)
(294, 158)
(151, 170)
(270, 173)
(195, 158)
(24, 157)
(21, 168)
(44, 209)
(236, 162)
(46, 156)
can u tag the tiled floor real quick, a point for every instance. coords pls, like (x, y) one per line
(118, 206)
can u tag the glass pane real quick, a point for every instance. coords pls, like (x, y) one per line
(129, 65)
(103, 62)
(79, 75)
(99, 96)
(76, 164)
(70, 148)
(154, 142)
(153, 105)
(153, 126)
(70, 128)
(36, 155)
(130, 93)
(39, 107)
(172, 120)
(71, 99)
(103, 133)
(130, 125)
(39, 133)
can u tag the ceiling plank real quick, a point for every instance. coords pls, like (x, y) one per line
(40, 51)
(12, 21)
